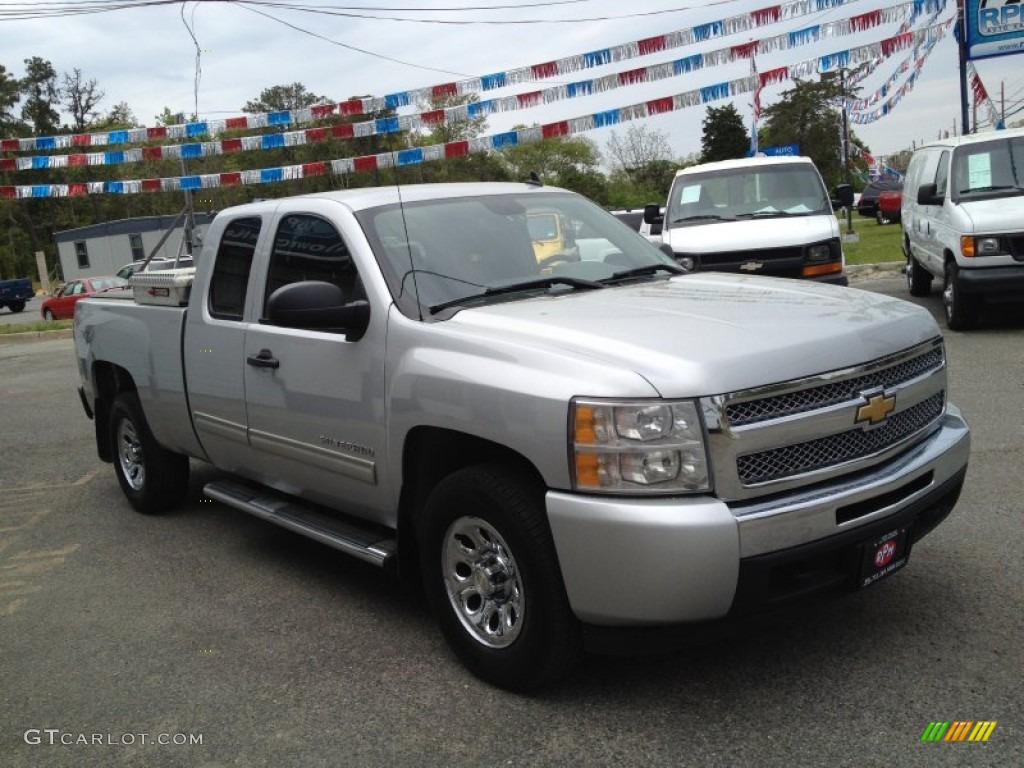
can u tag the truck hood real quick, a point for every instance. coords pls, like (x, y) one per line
(707, 334)
(751, 233)
(1001, 214)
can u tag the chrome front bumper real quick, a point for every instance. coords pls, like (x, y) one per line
(636, 562)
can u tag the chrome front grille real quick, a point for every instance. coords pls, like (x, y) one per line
(753, 411)
(811, 430)
(837, 449)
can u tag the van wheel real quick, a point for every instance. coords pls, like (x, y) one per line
(17, 306)
(492, 577)
(153, 478)
(919, 280)
(961, 310)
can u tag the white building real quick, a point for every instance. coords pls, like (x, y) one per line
(102, 249)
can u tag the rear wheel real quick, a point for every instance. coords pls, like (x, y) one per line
(16, 306)
(492, 577)
(919, 281)
(153, 478)
(961, 309)
(48, 315)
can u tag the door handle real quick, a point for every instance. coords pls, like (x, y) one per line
(265, 359)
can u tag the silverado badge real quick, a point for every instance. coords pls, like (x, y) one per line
(876, 409)
(751, 266)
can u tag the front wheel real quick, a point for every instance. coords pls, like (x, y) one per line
(48, 315)
(961, 309)
(492, 577)
(17, 306)
(153, 478)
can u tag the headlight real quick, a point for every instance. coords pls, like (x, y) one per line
(972, 246)
(819, 252)
(638, 447)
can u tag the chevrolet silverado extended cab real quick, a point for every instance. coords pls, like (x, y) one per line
(563, 453)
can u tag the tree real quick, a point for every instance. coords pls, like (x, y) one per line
(552, 158)
(632, 152)
(443, 132)
(279, 98)
(41, 94)
(120, 116)
(725, 137)
(10, 95)
(808, 115)
(81, 98)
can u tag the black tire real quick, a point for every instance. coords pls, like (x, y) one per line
(880, 218)
(17, 306)
(919, 280)
(484, 531)
(153, 478)
(48, 315)
(961, 310)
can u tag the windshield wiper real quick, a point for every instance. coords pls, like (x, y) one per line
(703, 217)
(994, 188)
(767, 214)
(522, 285)
(650, 269)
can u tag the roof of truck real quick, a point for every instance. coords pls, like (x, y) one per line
(744, 162)
(372, 197)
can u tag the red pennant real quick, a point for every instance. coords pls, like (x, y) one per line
(230, 179)
(551, 130)
(314, 169)
(456, 149)
(365, 163)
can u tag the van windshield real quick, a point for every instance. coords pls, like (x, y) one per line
(746, 192)
(989, 169)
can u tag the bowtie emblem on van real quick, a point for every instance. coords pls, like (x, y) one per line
(876, 409)
(751, 266)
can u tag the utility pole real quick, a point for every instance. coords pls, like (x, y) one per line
(962, 50)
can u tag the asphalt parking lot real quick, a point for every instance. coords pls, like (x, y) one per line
(207, 625)
(29, 314)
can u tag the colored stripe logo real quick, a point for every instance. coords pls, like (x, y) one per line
(958, 730)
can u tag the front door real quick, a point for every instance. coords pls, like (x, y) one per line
(315, 399)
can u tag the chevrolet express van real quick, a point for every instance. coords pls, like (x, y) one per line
(963, 222)
(758, 215)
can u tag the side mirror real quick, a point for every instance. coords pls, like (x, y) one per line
(652, 214)
(926, 195)
(317, 305)
(842, 196)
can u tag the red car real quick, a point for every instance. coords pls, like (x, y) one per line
(62, 305)
(889, 204)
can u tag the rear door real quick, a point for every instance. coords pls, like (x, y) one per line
(315, 399)
(215, 342)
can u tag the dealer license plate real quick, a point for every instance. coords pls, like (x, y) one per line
(884, 556)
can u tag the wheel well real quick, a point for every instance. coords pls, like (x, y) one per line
(109, 381)
(431, 454)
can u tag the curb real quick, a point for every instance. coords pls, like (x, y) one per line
(25, 338)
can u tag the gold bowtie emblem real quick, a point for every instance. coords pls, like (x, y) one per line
(876, 409)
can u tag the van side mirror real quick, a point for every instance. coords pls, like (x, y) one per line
(842, 196)
(926, 195)
(652, 214)
(317, 305)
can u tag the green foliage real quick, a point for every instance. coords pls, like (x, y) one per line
(10, 95)
(41, 96)
(278, 98)
(725, 137)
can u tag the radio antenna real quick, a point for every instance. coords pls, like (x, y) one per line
(405, 228)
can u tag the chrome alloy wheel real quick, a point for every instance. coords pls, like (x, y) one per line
(949, 297)
(129, 454)
(482, 582)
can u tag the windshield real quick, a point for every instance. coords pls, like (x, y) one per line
(490, 248)
(989, 169)
(746, 192)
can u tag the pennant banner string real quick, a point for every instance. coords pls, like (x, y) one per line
(428, 119)
(499, 141)
(681, 38)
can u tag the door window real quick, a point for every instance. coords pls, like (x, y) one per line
(942, 175)
(308, 247)
(232, 266)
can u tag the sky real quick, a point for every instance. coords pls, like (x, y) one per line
(146, 57)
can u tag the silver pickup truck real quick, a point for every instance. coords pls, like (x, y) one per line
(568, 453)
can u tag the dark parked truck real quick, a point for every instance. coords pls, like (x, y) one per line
(14, 294)
(562, 453)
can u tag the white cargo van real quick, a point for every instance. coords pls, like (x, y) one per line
(759, 215)
(963, 222)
